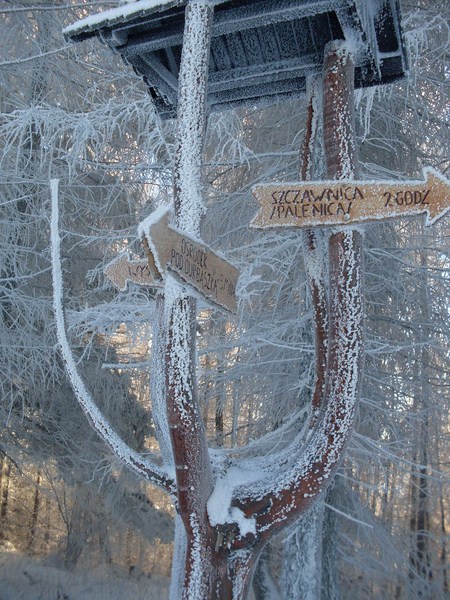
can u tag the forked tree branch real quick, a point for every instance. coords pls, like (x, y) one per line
(294, 490)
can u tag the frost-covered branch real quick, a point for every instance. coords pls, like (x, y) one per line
(315, 252)
(263, 501)
(18, 61)
(135, 461)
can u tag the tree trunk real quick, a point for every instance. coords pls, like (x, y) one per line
(5, 494)
(312, 541)
(47, 524)
(302, 574)
(421, 573)
(158, 383)
(35, 512)
(264, 587)
(191, 458)
(445, 584)
(302, 551)
(219, 560)
(78, 527)
(330, 573)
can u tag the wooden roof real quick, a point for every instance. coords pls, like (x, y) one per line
(261, 50)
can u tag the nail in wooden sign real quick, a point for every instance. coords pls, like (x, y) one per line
(122, 270)
(191, 261)
(314, 203)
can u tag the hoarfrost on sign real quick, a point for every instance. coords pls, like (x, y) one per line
(144, 231)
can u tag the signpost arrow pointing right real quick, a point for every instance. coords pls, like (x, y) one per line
(314, 203)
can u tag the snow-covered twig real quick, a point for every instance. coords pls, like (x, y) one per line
(145, 468)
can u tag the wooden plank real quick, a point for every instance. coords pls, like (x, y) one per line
(220, 54)
(252, 46)
(278, 89)
(260, 14)
(193, 262)
(257, 100)
(236, 50)
(304, 38)
(287, 44)
(320, 30)
(267, 73)
(122, 270)
(164, 88)
(314, 203)
(158, 68)
(268, 43)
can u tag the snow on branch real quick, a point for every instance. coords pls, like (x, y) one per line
(18, 61)
(135, 461)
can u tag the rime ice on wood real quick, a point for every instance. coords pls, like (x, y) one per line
(122, 270)
(139, 464)
(126, 11)
(190, 260)
(264, 494)
(343, 202)
(306, 472)
(194, 476)
(261, 52)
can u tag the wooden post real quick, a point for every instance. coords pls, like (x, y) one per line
(338, 109)
(193, 469)
(346, 306)
(317, 461)
(315, 256)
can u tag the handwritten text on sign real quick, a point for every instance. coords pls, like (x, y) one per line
(193, 262)
(122, 270)
(309, 204)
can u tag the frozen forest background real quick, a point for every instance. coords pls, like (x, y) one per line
(77, 113)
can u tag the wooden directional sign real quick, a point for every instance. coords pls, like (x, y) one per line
(122, 269)
(191, 261)
(313, 203)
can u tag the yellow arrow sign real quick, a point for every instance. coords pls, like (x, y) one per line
(190, 260)
(122, 269)
(313, 203)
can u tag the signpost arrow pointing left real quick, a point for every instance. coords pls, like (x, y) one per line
(190, 260)
(122, 269)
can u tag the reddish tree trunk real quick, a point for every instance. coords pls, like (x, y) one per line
(219, 561)
(192, 465)
(316, 259)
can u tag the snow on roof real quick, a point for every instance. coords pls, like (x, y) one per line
(121, 13)
(262, 51)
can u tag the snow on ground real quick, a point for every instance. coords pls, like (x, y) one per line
(23, 578)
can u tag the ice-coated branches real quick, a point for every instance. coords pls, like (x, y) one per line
(274, 498)
(141, 465)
